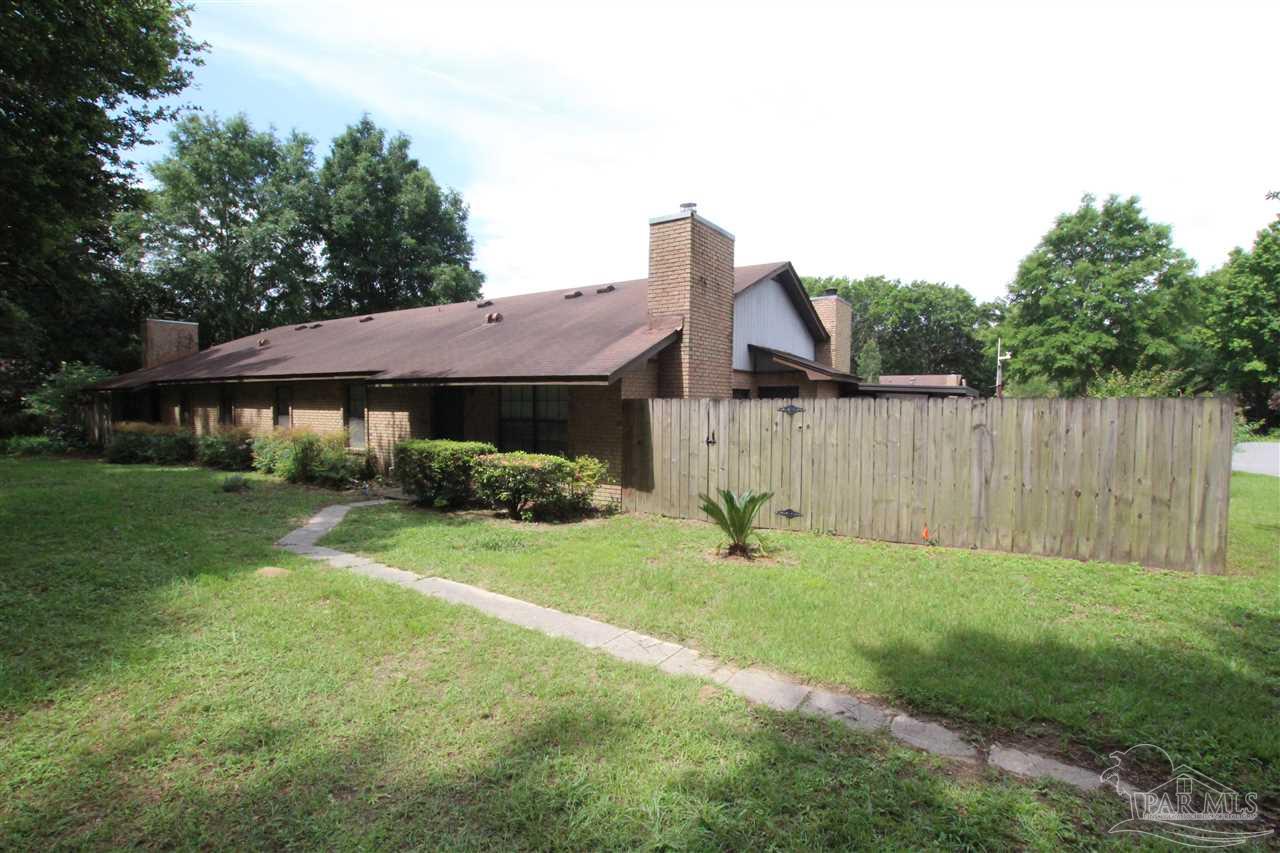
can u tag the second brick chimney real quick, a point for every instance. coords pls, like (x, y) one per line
(691, 277)
(164, 341)
(837, 316)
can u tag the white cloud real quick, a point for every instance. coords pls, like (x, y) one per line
(914, 140)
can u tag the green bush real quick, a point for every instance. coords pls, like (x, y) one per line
(56, 403)
(228, 448)
(734, 515)
(33, 445)
(146, 443)
(535, 485)
(439, 472)
(235, 483)
(303, 456)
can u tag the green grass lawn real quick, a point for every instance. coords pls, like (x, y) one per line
(1064, 653)
(156, 692)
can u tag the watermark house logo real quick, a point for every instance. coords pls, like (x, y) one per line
(1187, 808)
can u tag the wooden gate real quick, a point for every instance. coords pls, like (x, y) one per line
(1122, 480)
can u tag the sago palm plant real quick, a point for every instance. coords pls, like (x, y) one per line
(735, 516)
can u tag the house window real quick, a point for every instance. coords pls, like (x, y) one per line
(226, 406)
(355, 415)
(779, 392)
(534, 418)
(284, 402)
(742, 393)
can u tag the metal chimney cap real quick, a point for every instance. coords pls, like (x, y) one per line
(689, 206)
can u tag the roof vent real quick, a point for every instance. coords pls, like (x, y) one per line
(493, 317)
(573, 295)
(608, 288)
(299, 328)
(262, 342)
(484, 304)
(831, 291)
(366, 319)
(315, 325)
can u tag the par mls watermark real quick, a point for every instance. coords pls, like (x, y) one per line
(1188, 808)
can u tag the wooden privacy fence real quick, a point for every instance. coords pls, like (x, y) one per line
(1123, 480)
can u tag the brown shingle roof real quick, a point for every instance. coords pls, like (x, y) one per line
(541, 337)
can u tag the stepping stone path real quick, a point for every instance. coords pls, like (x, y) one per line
(755, 685)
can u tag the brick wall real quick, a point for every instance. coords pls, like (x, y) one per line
(595, 429)
(837, 317)
(319, 406)
(642, 383)
(254, 407)
(204, 401)
(393, 414)
(691, 276)
(805, 386)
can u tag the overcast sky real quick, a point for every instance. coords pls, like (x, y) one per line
(909, 140)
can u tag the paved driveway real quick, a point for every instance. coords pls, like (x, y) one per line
(1257, 457)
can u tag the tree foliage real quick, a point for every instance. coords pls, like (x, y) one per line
(81, 82)
(244, 232)
(1241, 323)
(227, 233)
(918, 327)
(1104, 290)
(869, 362)
(393, 238)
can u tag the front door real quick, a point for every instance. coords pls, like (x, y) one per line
(447, 413)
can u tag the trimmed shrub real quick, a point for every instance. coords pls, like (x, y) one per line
(439, 472)
(33, 445)
(235, 483)
(228, 448)
(303, 456)
(535, 485)
(146, 443)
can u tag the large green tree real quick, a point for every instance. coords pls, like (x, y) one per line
(227, 231)
(393, 237)
(1241, 324)
(919, 326)
(81, 83)
(1104, 290)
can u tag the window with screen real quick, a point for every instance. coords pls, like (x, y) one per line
(534, 418)
(742, 393)
(779, 392)
(355, 415)
(284, 402)
(226, 406)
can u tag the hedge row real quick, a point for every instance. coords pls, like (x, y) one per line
(438, 472)
(146, 443)
(444, 474)
(299, 456)
(302, 456)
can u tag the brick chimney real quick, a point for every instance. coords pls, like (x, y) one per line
(837, 316)
(691, 277)
(164, 341)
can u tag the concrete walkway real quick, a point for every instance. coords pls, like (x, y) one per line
(754, 685)
(1257, 457)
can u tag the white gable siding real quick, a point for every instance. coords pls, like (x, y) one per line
(764, 315)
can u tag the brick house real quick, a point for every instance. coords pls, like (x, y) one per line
(544, 371)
